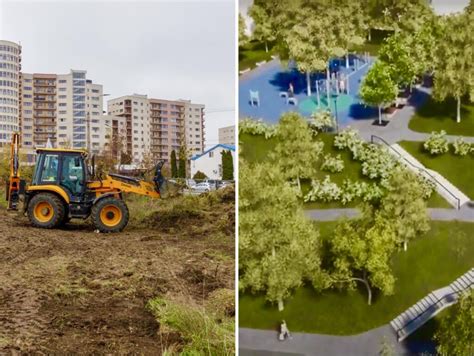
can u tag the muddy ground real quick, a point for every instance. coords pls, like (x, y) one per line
(75, 291)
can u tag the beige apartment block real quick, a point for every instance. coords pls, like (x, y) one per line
(227, 135)
(10, 67)
(194, 127)
(57, 109)
(156, 127)
(107, 132)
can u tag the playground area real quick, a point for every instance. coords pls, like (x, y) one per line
(272, 89)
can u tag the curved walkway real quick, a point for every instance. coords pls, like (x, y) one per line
(465, 214)
(265, 342)
(398, 130)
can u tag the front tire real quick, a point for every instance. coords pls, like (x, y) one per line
(46, 210)
(110, 215)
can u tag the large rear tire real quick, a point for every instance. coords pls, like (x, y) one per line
(110, 215)
(46, 210)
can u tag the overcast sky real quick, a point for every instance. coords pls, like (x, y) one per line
(166, 49)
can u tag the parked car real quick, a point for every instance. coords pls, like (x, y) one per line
(223, 184)
(203, 187)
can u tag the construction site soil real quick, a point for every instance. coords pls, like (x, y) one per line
(75, 291)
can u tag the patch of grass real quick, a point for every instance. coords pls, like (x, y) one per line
(418, 272)
(437, 201)
(456, 169)
(252, 53)
(437, 116)
(201, 332)
(70, 291)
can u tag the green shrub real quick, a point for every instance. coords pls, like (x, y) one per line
(332, 164)
(322, 121)
(257, 127)
(461, 147)
(323, 191)
(437, 143)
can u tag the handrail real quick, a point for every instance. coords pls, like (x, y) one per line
(458, 201)
(438, 300)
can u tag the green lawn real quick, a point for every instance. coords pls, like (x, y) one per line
(252, 53)
(418, 271)
(457, 169)
(255, 148)
(437, 116)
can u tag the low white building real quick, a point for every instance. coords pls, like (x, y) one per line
(210, 161)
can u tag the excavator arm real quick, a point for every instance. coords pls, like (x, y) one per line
(119, 183)
(15, 185)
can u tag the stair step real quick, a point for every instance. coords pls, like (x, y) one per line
(462, 283)
(430, 305)
(466, 279)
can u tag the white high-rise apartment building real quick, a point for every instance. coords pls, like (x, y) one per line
(10, 66)
(59, 109)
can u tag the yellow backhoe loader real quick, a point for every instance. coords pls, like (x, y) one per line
(63, 187)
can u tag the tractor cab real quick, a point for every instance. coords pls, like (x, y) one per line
(64, 168)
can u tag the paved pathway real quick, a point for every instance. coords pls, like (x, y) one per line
(466, 214)
(265, 342)
(397, 129)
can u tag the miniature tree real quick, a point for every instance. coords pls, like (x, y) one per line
(262, 30)
(362, 250)
(296, 152)
(278, 247)
(378, 89)
(455, 335)
(243, 38)
(397, 53)
(454, 76)
(404, 206)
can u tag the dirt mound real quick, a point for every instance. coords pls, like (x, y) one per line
(209, 213)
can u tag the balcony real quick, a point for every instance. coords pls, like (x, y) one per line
(47, 115)
(44, 92)
(44, 84)
(45, 123)
(42, 106)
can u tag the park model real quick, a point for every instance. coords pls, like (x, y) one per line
(356, 167)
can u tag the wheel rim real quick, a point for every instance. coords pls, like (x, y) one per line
(43, 211)
(110, 215)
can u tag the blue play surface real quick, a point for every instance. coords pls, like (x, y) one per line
(271, 79)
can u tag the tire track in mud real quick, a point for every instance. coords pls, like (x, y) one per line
(21, 323)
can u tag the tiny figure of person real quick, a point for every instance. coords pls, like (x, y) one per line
(284, 332)
(291, 90)
(342, 86)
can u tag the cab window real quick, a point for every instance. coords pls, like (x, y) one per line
(49, 171)
(72, 175)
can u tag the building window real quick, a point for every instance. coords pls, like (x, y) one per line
(211, 154)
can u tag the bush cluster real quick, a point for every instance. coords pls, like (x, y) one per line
(257, 127)
(332, 164)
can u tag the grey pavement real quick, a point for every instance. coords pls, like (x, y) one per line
(466, 213)
(397, 129)
(265, 342)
